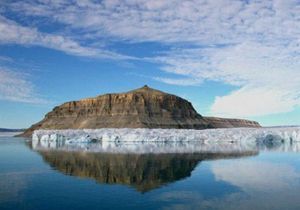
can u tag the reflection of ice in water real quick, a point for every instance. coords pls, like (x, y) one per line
(169, 140)
(148, 147)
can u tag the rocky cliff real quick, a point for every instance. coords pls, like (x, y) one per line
(141, 108)
(217, 122)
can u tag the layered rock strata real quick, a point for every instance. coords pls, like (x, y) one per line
(141, 108)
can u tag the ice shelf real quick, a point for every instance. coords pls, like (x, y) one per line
(169, 140)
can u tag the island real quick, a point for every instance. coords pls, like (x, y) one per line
(144, 107)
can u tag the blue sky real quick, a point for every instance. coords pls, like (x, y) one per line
(230, 58)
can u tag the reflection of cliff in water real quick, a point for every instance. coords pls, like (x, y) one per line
(141, 171)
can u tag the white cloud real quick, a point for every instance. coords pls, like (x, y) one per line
(13, 33)
(199, 21)
(5, 59)
(182, 82)
(249, 101)
(17, 87)
(266, 76)
(252, 45)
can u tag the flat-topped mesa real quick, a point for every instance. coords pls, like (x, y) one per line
(140, 108)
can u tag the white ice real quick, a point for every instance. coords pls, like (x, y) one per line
(169, 140)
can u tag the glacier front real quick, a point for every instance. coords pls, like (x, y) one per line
(169, 140)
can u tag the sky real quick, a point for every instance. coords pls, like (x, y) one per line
(230, 58)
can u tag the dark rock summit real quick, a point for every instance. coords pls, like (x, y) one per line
(141, 108)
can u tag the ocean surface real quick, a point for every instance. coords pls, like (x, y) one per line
(35, 178)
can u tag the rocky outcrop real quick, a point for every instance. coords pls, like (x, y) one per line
(217, 122)
(141, 108)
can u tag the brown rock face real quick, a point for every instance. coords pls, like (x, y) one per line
(217, 122)
(141, 108)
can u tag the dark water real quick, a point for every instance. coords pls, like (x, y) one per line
(38, 180)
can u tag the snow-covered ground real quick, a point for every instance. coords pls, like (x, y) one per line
(169, 140)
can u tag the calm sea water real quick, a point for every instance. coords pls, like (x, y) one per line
(38, 180)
